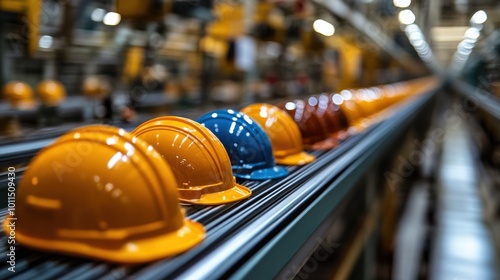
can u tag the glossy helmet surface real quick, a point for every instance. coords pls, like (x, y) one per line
(247, 144)
(100, 193)
(51, 92)
(328, 109)
(349, 107)
(313, 130)
(283, 132)
(199, 161)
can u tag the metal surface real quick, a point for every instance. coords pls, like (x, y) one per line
(369, 29)
(478, 97)
(462, 243)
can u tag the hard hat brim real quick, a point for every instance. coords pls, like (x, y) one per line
(326, 144)
(300, 158)
(264, 174)
(236, 193)
(137, 251)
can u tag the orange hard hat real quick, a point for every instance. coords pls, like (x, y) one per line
(349, 107)
(312, 128)
(18, 94)
(327, 110)
(98, 192)
(96, 87)
(366, 100)
(388, 93)
(282, 131)
(51, 92)
(399, 93)
(198, 159)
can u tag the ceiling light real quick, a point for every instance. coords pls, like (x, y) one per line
(472, 33)
(323, 27)
(402, 3)
(411, 28)
(45, 42)
(479, 17)
(112, 18)
(97, 14)
(406, 17)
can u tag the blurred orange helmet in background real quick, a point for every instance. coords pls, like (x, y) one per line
(19, 95)
(348, 106)
(96, 87)
(51, 92)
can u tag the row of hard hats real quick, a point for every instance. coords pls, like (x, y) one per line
(325, 119)
(20, 94)
(101, 192)
(51, 92)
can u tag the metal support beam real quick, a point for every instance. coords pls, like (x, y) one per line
(370, 30)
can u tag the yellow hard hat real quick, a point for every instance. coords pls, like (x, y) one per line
(283, 132)
(95, 87)
(19, 94)
(352, 111)
(51, 92)
(197, 157)
(367, 101)
(100, 193)
(388, 92)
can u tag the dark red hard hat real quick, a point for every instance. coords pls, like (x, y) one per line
(329, 112)
(313, 129)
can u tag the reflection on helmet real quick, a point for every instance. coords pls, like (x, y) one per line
(197, 157)
(19, 95)
(51, 92)
(100, 193)
(367, 101)
(312, 128)
(328, 111)
(349, 107)
(282, 131)
(247, 144)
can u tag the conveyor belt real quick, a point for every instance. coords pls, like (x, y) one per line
(236, 231)
(218, 222)
(282, 230)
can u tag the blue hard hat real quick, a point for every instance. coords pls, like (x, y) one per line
(247, 144)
